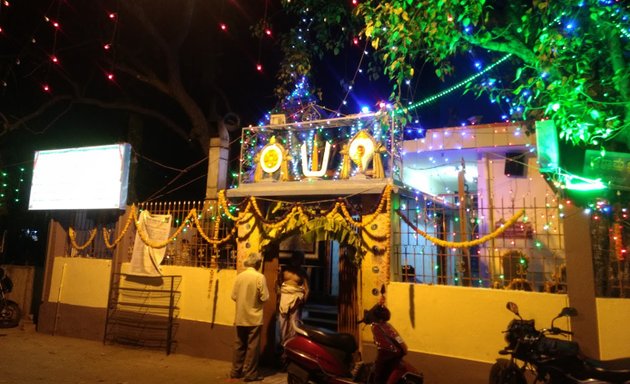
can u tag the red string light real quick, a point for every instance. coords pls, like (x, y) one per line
(223, 26)
(45, 87)
(110, 76)
(107, 46)
(259, 67)
(54, 59)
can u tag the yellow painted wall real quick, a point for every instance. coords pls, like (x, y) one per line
(86, 283)
(199, 296)
(80, 281)
(462, 322)
(458, 322)
(614, 333)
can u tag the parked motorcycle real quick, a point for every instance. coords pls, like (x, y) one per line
(316, 355)
(10, 313)
(549, 359)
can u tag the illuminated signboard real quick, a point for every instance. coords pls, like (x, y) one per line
(81, 178)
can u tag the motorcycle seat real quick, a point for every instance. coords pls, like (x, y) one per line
(342, 341)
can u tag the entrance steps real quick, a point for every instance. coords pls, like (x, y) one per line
(320, 315)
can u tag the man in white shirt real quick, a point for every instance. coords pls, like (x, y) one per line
(249, 292)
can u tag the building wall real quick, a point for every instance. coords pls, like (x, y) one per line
(80, 281)
(22, 278)
(205, 293)
(499, 193)
(85, 282)
(461, 322)
(612, 322)
(458, 326)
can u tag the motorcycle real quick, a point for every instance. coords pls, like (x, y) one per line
(316, 355)
(10, 313)
(550, 359)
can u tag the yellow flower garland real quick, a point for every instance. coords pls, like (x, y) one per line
(252, 204)
(385, 201)
(463, 244)
(106, 234)
(73, 239)
(214, 241)
(385, 205)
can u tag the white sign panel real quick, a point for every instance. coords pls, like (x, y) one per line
(81, 178)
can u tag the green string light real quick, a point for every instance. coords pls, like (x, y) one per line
(445, 92)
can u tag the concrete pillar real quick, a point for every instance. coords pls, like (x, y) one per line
(56, 246)
(218, 157)
(581, 280)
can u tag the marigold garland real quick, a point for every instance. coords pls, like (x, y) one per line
(222, 203)
(251, 208)
(73, 239)
(463, 244)
(388, 242)
(106, 234)
(214, 241)
(385, 201)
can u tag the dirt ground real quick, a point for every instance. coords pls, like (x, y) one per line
(27, 356)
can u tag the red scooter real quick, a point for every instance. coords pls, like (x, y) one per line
(315, 355)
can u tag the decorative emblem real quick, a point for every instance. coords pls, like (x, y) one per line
(361, 150)
(271, 156)
(314, 172)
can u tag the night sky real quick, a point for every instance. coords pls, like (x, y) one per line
(45, 43)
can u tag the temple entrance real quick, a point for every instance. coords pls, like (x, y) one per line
(322, 268)
(332, 302)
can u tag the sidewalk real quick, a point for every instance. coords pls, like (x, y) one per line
(27, 356)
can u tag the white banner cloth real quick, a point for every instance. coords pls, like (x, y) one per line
(145, 260)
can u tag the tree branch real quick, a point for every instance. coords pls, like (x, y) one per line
(510, 45)
(152, 113)
(8, 126)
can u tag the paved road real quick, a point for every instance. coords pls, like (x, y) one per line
(27, 356)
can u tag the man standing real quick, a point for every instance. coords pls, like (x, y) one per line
(250, 292)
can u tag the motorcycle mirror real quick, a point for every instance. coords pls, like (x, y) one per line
(568, 311)
(512, 307)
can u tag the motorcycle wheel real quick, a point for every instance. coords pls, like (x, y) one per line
(506, 372)
(10, 315)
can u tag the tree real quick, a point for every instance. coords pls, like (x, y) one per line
(570, 55)
(168, 63)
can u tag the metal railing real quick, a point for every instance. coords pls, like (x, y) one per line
(528, 255)
(189, 248)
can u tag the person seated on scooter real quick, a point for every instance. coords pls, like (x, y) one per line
(293, 295)
(389, 354)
